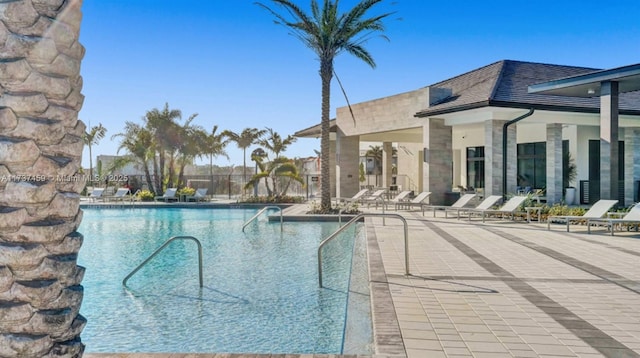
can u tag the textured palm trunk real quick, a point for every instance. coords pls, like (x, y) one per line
(326, 72)
(40, 153)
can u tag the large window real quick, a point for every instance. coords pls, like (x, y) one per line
(475, 167)
(532, 165)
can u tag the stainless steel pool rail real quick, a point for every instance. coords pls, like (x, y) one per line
(260, 213)
(355, 219)
(124, 282)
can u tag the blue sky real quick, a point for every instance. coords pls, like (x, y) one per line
(227, 61)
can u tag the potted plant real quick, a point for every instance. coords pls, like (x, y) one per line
(570, 172)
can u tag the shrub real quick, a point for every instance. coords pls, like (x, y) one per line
(187, 191)
(283, 199)
(145, 195)
(345, 208)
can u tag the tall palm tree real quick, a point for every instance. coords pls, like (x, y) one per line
(328, 33)
(40, 98)
(91, 138)
(189, 147)
(162, 123)
(244, 140)
(138, 141)
(214, 145)
(274, 142)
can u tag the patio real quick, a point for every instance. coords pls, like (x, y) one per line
(498, 289)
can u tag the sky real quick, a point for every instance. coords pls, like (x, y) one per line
(227, 60)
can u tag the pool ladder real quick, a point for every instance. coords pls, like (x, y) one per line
(124, 282)
(260, 213)
(355, 219)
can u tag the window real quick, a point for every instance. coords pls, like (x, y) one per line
(532, 165)
(475, 167)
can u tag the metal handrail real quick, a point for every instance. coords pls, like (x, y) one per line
(356, 218)
(124, 282)
(262, 211)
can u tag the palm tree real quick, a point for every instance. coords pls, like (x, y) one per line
(274, 142)
(165, 130)
(138, 141)
(271, 171)
(244, 140)
(91, 138)
(328, 33)
(41, 283)
(214, 145)
(189, 147)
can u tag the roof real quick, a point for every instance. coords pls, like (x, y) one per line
(315, 131)
(588, 85)
(505, 84)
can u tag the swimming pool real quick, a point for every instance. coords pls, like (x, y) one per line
(260, 291)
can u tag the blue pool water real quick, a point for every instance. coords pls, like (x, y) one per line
(260, 290)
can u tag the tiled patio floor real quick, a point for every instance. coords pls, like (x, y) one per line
(499, 289)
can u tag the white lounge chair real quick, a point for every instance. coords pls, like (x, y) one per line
(377, 196)
(486, 204)
(120, 194)
(96, 194)
(169, 195)
(509, 208)
(400, 198)
(632, 217)
(417, 201)
(356, 197)
(598, 210)
(199, 195)
(463, 201)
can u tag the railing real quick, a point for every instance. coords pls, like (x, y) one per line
(262, 211)
(124, 282)
(355, 219)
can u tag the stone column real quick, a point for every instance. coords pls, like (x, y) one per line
(347, 164)
(554, 163)
(609, 140)
(387, 155)
(438, 161)
(493, 154)
(631, 164)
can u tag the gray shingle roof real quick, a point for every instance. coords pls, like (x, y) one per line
(505, 84)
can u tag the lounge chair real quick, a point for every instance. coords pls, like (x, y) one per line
(199, 195)
(120, 194)
(169, 195)
(400, 198)
(417, 201)
(509, 208)
(486, 204)
(377, 196)
(597, 211)
(460, 203)
(357, 197)
(96, 194)
(632, 217)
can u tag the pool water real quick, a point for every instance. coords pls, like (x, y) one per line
(260, 291)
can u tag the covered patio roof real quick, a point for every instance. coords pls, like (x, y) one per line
(588, 85)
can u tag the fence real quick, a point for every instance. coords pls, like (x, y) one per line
(231, 186)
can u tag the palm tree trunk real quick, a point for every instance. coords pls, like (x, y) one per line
(40, 136)
(326, 72)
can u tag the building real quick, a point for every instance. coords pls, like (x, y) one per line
(502, 129)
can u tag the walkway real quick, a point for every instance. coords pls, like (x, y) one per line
(499, 289)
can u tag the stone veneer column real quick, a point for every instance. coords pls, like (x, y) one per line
(631, 164)
(387, 155)
(609, 140)
(554, 163)
(438, 166)
(347, 164)
(493, 158)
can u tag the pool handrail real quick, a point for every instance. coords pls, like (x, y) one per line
(262, 211)
(158, 250)
(355, 219)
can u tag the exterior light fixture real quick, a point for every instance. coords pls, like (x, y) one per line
(591, 91)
